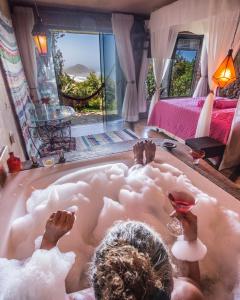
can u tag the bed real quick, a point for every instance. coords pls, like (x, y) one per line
(179, 117)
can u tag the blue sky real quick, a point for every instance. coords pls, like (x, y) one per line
(80, 49)
(188, 54)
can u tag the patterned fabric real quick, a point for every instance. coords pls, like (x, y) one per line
(60, 144)
(15, 77)
(89, 141)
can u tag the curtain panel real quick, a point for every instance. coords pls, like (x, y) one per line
(162, 45)
(231, 156)
(220, 34)
(142, 90)
(201, 89)
(23, 20)
(122, 25)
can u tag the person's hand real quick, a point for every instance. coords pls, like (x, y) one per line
(57, 225)
(189, 225)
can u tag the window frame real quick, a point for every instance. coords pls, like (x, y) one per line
(196, 65)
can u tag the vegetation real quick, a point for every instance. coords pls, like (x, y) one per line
(83, 89)
(181, 79)
(73, 88)
(182, 73)
(151, 86)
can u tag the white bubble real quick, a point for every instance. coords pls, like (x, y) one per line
(102, 195)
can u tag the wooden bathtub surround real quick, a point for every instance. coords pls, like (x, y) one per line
(181, 152)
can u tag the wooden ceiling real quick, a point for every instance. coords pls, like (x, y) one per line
(144, 7)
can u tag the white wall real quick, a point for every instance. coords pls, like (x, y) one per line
(7, 122)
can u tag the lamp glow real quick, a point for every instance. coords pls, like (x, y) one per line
(40, 34)
(225, 74)
(41, 44)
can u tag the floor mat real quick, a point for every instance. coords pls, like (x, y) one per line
(87, 142)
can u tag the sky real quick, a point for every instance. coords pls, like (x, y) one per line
(188, 54)
(80, 49)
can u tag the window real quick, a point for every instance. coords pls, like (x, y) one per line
(86, 75)
(77, 67)
(181, 76)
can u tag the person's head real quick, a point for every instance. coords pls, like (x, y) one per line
(132, 263)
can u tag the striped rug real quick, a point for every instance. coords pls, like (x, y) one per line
(89, 141)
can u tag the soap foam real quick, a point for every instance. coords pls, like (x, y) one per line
(109, 193)
(40, 277)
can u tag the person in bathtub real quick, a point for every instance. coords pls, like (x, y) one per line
(132, 262)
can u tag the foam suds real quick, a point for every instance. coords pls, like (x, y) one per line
(42, 276)
(108, 193)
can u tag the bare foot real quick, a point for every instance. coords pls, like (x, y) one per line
(150, 150)
(138, 152)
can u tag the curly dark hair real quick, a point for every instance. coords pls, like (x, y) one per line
(131, 263)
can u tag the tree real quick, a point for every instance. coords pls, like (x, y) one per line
(83, 89)
(151, 85)
(71, 87)
(182, 73)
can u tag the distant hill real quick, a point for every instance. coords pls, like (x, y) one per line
(78, 70)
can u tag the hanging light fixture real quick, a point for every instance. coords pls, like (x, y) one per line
(40, 34)
(225, 73)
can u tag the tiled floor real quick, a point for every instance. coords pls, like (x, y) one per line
(95, 128)
(139, 128)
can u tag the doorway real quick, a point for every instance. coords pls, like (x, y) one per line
(85, 68)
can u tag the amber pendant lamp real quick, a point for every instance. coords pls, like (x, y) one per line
(226, 73)
(40, 34)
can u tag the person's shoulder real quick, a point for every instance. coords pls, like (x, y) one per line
(185, 289)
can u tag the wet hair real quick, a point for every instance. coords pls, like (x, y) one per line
(132, 263)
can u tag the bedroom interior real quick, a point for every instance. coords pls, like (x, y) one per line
(83, 86)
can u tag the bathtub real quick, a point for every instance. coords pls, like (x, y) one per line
(20, 186)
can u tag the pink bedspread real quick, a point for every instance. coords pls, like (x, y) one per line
(180, 117)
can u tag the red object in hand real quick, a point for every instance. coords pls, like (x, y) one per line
(14, 163)
(182, 203)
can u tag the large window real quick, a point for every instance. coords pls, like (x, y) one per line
(181, 76)
(77, 67)
(85, 68)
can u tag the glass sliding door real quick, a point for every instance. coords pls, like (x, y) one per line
(112, 105)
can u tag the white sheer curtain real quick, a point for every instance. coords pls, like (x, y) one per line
(222, 22)
(232, 154)
(202, 85)
(142, 92)
(24, 20)
(162, 45)
(122, 25)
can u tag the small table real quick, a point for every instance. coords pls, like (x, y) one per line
(210, 146)
(47, 113)
(53, 126)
